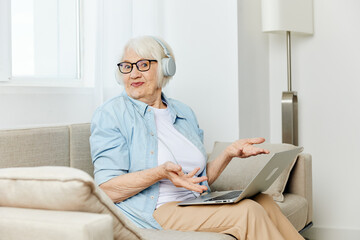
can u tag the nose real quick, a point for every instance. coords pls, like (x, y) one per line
(135, 73)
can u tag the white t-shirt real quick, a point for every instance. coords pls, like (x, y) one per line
(185, 152)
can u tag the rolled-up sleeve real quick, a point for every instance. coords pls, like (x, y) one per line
(109, 150)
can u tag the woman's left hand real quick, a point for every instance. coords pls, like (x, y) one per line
(244, 148)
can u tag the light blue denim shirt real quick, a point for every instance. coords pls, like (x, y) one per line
(123, 140)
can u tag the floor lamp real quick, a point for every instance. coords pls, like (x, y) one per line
(279, 16)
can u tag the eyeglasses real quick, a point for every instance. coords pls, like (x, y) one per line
(142, 65)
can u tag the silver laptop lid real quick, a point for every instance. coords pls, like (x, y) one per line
(270, 172)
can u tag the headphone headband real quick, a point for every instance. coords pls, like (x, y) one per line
(168, 64)
(166, 51)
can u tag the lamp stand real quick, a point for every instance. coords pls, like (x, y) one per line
(289, 104)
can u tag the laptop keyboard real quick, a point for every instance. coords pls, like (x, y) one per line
(226, 196)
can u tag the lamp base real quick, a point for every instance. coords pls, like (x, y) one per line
(289, 104)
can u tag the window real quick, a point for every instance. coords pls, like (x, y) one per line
(41, 42)
(44, 39)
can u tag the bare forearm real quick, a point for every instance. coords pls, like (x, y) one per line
(216, 167)
(127, 185)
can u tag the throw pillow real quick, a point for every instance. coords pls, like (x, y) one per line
(63, 189)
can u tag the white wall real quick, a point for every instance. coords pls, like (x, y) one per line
(253, 72)
(22, 107)
(203, 35)
(327, 78)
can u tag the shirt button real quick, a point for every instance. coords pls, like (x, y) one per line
(152, 197)
(152, 134)
(152, 152)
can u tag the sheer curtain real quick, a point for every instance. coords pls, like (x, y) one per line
(120, 21)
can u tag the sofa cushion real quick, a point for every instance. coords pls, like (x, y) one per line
(60, 188)
(46, 146)
(241, 171)
(295, 208)
(24, 223)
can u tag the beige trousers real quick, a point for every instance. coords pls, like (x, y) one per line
(257, 219)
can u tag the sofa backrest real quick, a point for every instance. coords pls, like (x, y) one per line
(80, 156)
(47, 146)
(35, 147)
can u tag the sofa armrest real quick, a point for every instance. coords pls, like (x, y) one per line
(61, 189)
(22, 223)
(300, 181)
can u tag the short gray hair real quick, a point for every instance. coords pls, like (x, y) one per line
(147, 47)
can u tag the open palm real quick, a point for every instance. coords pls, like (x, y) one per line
(244, 148)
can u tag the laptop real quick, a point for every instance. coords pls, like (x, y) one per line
(260, 183)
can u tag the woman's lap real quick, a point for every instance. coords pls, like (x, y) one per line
(225, 218)
(260, 218)
(192, 218)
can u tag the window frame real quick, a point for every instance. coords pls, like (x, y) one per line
(5, 41)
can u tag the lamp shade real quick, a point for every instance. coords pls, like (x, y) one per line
(287, 15)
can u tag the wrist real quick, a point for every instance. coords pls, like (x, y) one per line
(227, 156)
(161, 171)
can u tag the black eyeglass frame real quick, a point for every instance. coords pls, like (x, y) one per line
(131, 64)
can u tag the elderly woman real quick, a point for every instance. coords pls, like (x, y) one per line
(148, 154)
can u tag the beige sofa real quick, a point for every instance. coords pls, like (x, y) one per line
(60, 201)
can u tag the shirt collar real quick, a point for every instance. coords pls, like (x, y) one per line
(142, 107)
(139, 105)
(174, 114)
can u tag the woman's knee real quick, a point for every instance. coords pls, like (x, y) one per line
(266, 201)
(263, 198)
(252, 207)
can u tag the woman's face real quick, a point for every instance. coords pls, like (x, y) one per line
(138, 85)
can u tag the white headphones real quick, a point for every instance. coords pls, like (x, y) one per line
(168, 64)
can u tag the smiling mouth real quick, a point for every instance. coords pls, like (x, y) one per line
(137, 84)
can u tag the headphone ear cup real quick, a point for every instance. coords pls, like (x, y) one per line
(168, 67)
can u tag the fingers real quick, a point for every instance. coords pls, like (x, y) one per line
(199, 188)
(257, 140)
(245, 147)
(253, 151)
(256, 151)
(265, 151)
(193, 172)
(172, 167)
(188, 181)
(178, 169)
(199, 179)
(194, 187)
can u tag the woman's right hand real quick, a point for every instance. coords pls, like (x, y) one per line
(174, 173)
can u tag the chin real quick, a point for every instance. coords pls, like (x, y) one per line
(135, 94)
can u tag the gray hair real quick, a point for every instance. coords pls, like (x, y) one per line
(147, 47)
